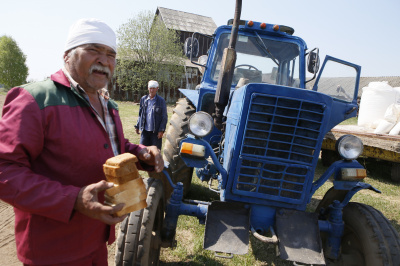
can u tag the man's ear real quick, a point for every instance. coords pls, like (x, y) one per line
(66, 56)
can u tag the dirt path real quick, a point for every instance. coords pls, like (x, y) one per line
(2, 98)
(8, 252)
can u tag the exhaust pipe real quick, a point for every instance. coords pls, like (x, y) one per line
(227, 68)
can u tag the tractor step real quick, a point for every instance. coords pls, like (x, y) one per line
(299, 238)
(227, 228)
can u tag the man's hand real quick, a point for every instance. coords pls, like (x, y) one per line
(88, 204)
(137, 131)
(152, 156)
(160, 135)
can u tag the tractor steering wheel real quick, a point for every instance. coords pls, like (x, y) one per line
(246, 65)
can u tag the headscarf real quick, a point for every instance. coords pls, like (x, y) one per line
(91, 30)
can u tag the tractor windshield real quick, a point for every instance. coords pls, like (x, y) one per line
(260, 60)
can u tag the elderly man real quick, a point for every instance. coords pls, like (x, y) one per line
(152, 118)
(55, 136)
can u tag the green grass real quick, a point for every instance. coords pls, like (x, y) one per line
(350, 121)
(190, 233)
(129, 113)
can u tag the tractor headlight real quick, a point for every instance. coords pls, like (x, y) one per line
(349, 147)
(201, 124)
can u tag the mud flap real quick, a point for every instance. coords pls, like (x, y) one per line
(227, 228)
(299, 238)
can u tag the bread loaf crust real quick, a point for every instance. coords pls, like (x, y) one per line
(128, 185)
(122, 159)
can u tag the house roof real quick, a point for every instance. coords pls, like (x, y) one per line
(183, 21)
(392, 81)
(364, 82)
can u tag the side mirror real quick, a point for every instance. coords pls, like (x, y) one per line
(313, 61)
(191, 47)
(202, 61)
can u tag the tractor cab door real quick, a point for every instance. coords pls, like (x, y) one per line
(338, 79)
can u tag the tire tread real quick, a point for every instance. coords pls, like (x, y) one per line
(381, 238)
(177, 131)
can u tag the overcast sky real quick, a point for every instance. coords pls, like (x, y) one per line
(362, 32)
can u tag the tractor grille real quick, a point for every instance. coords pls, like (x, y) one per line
(279, 141)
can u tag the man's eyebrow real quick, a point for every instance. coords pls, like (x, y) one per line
(97, 46)
(88, 45)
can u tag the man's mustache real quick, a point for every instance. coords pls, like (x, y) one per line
(100, 68)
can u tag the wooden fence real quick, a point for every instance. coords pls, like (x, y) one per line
(170, 94)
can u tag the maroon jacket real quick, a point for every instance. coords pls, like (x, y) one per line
(51, 145)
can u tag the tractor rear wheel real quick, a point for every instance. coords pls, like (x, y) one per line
(395, 172)
(139, 236)
(328, 157)
(177, 130)
(368, 239)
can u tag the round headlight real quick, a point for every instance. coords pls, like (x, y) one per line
(201, 124)
(349, 147)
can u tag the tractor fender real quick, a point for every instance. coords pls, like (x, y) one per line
(342, 195)
(191, 95)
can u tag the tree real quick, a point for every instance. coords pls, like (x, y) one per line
(13, 70)
(147, 50)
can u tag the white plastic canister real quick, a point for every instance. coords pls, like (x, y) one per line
(397, 90)
(375, 99)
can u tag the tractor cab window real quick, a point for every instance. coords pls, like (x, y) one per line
(338, 79)
(261, 60)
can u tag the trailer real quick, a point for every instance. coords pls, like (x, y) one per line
(377, 147)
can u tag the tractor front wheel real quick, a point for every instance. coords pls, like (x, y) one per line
(369, 238)
(177, 130)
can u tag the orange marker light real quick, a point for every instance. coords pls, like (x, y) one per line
(276, 27)
(263, 25)
(187, 148)
(353, 173)
(193, 149)
(250, 23)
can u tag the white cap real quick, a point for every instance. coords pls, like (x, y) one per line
(153, 84)
(90, 30)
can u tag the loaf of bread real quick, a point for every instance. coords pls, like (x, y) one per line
(128, 185)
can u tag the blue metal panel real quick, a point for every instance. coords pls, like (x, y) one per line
(347, 110)
(273, 138)
(262, 217)
(271, 180)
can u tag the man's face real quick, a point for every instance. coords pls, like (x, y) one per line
(91, 65)
(153, 92)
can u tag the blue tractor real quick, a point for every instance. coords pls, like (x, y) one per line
(253, 129)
